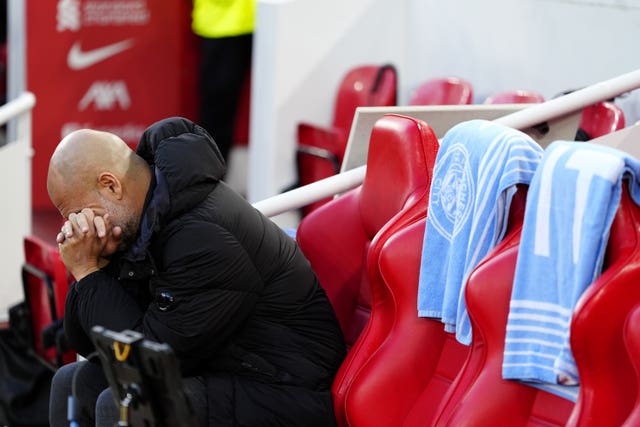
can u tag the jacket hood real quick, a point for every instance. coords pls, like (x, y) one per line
(187, 165)
(186, 156)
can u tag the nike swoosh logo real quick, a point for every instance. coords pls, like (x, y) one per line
(78, 59)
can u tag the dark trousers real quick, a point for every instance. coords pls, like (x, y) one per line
(93, 401)
(225, 65)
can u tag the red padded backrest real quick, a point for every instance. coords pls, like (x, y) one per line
(399, 163)
(39, 298)
(515, 97)
(608, 387)
(333, 240)
(632, 342)
(336, 237)
(443, 91)
(410, 359)
(343, 238)
(319, 155)
(441, 400)
(46, 258)
(601, 118)
(321, 149)
(366, 85)
(45, 285)
(479, 395)
(607, 390)
(407, 376)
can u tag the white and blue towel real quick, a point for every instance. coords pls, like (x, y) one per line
(477, 168)
(570, 207)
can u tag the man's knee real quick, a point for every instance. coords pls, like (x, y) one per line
(62, 381)
(107, 412)
(61, 389)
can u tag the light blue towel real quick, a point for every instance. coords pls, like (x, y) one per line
(477, 168)
(570, 206)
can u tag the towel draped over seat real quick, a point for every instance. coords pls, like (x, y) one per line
(476, 172)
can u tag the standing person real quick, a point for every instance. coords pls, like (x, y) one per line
(159, 244)
(225, 28)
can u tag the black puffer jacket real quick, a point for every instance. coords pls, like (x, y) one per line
(224, 286)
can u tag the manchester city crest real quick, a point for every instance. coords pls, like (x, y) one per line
(451, 195)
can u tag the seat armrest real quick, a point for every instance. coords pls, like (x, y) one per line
(332, 139)
(321, 153)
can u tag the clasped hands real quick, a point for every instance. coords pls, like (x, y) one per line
(82, 242)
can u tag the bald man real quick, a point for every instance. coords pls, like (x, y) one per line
(96, 180)
(158, 243)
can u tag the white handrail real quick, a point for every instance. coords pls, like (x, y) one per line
(23, 103)
(15, 185)
(571, 102)
(310, 193)
(536, 114)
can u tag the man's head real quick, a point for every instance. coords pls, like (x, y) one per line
(97, 170)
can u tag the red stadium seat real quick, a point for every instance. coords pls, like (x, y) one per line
(45, 285)
(608, 387)
(343, 238)
(443, 91)
(479, 395)
(601, 118)
(515, 97)
(321, 148)
(410, 373)
(417, 354)
(607, 391)
(632, 342)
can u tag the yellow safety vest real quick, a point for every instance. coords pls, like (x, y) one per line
(223, 18)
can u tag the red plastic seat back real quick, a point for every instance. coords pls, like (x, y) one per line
(479, 395)
(45, 285)
(336, 238)
(319, 155)
(601, 118)
(321, 149)
(515, 97)
(343, 238)
(46, 258)
(417, 353)
(479, 392)
(632, 342)
(443, 91)
(608, 387)
(408, 375)
(607, 391)
(366, 85)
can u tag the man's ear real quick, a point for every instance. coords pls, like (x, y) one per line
(110, 185)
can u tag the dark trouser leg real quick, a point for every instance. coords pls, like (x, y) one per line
(224, 67)
(107, 412)
(89, 383)
(94, 403)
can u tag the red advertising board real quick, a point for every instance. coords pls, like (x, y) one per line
(115, 65)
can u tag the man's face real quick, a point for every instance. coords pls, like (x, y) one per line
(127, 219)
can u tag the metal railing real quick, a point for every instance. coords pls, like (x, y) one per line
(15, 188)
(19, 109)
(16, 107)
(522, 119)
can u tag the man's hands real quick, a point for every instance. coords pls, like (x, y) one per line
(82, 241)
